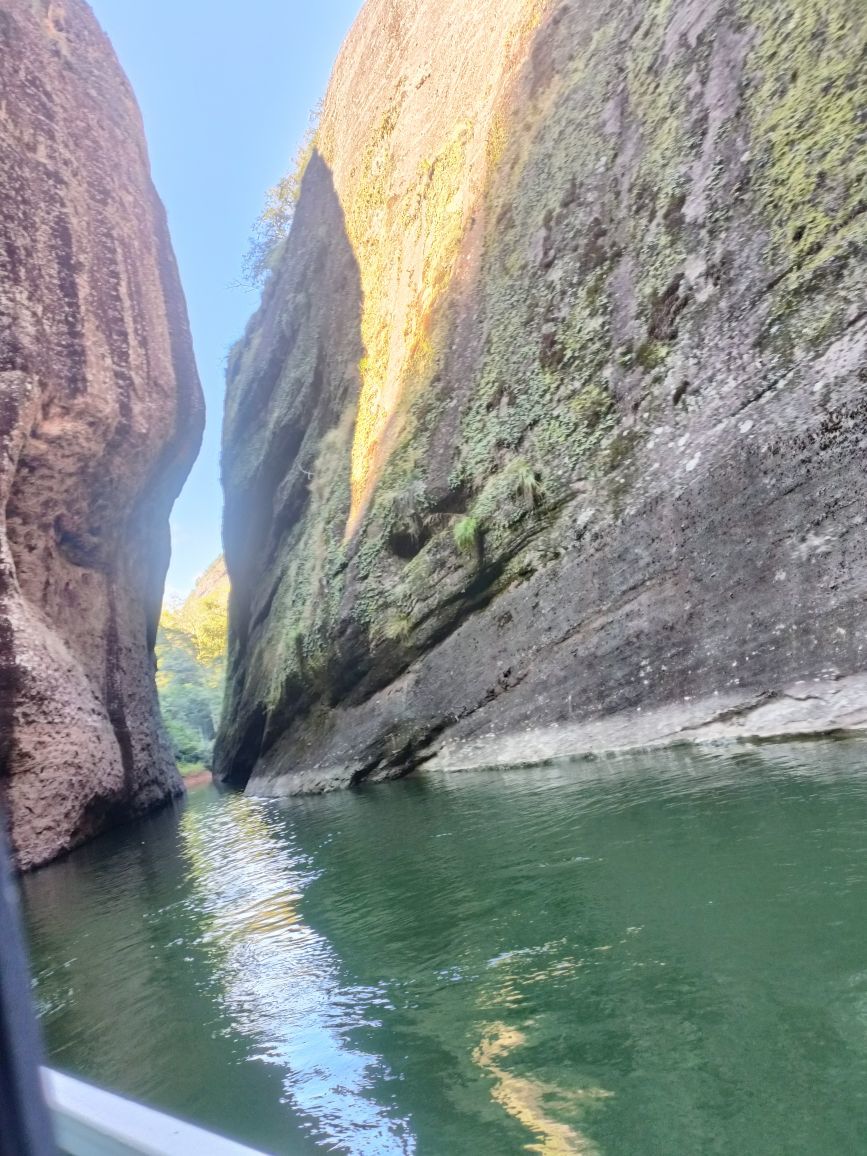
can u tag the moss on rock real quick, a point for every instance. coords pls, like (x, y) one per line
(584, 236)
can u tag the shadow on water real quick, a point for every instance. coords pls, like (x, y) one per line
(664, 953)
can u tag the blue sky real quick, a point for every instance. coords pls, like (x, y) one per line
(225, 88)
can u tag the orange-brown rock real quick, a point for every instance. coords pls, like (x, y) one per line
(100, 419)
(548, 436)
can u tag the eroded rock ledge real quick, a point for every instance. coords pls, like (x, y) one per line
(549, 433)
(100, 420)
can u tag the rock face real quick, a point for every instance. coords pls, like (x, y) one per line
(100, 419)
(549, 433)
(212, 583)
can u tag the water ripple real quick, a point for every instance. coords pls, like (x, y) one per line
(280, 980)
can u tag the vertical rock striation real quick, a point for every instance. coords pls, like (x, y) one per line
(548, 435)
(101, 417)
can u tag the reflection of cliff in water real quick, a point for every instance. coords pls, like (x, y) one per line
(530, 1101)
(281, 980)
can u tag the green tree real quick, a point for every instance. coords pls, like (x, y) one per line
(275, 220)
(191, 668)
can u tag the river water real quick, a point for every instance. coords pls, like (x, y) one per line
(663, 954)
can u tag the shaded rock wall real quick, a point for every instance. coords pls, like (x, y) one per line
(100, 419)
(548, 435)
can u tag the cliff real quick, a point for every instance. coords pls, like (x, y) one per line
(212, 583)
(100, 418)
(548, 434)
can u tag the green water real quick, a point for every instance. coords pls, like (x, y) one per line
(663, 954)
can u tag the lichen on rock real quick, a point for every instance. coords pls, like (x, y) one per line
(552, 409)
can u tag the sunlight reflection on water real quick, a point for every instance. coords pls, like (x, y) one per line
(662, 953)
(280, 979)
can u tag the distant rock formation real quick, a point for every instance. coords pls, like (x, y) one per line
(212, 583)
(101, 417)
(549, 433)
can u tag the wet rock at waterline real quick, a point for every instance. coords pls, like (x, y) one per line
(100, 418)
(549, 432)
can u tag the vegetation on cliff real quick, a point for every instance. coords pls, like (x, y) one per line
(274, 222)
(564, 258)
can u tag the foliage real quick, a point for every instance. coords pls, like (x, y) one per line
(274, 222)
(527, 487)
(189, 769)
(510, 495)
(651, 354)
(809, 120)
(592, 406)
(206, 623)
(397, 628)
(191, 667)
(466, 535)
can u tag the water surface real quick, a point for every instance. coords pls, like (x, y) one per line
(664, 954)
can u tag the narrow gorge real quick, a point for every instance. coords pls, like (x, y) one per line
(101, 417)
(543, 493)
(548, 435)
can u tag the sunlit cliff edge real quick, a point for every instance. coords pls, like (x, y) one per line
(548, 434)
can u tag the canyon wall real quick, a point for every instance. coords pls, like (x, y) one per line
(101, 417)
(548, 436)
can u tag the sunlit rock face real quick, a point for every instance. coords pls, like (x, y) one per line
(100, 419)
(548, 434)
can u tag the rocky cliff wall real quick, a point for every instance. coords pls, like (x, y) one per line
(549, 433)
(100, 419)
